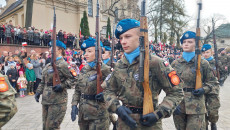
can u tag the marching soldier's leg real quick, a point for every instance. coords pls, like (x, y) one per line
(180, 121)
(196, 122)
(84, 125)
(44, 115)
(56, 114)
(100, 124)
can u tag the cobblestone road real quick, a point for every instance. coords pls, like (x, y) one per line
(29, 115)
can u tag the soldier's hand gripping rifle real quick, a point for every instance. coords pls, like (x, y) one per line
(56, 78)
(197, 50)
(98, 53)
(144, 63)
(215, 49)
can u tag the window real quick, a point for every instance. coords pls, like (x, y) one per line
(90, 8)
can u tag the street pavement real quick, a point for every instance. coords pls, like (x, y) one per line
(29, 115)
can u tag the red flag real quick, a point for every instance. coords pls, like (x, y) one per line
(24, 43)
(109, 37)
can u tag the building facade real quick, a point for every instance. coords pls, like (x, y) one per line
(39, 13)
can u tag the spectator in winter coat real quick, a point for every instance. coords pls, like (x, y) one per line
(31, 78)
(37, 67)
(12, 74)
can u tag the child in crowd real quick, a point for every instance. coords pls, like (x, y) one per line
(22, 84)
(31, 78)
(12, 74)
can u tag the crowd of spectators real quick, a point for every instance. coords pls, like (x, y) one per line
(10, 34)
(21, 63)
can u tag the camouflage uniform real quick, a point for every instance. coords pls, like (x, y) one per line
(213, 100)
(8, 106)
(54, 104)
(225, 60)
(123, 84)
(93, 114)
(193, 107)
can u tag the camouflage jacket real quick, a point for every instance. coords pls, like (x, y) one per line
(213, 66)
(123, 84)
(225, 60)
(87, 84)
(8, 106)
(186, 70)
(48, 95)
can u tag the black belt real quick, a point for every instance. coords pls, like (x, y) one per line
(49, 84)
(188, 89)
(136, 109)
(88, 97)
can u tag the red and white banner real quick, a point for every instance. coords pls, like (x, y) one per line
(24, 43)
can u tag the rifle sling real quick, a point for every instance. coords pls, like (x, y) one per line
(143, 30)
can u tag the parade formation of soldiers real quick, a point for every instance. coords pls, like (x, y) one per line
(192, 108)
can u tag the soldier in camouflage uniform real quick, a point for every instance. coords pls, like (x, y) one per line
(93, 114)
(190, 114)
(106, 56)
(123, 84)
(8, 106)
(212, 100)
(225, 60)
(54, 98)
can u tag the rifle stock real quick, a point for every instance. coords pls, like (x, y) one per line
(56, 78)
(144, 62)
(98, 53)
(197, 51)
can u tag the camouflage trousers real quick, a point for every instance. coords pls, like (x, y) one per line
(99, 124)
(212, 105)
(52, 116)
(189, 121)
(122, 126)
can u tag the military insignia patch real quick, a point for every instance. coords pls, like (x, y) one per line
(84, 45)
(174, 79)
(108, 77)
(93, 77)
(119, 28)
(166, 63)
(136, 77)
(50, 71)
(186, 35)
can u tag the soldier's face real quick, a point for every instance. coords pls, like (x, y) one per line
(189, 45)
(130, 40)
(106, 55)
(207, 54)
(90, 54)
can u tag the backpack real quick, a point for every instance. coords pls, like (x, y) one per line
(8, 106)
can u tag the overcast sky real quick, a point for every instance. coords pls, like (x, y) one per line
(209, 8)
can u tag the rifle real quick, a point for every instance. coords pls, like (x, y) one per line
(144, 62)
(56, 78)
(215, 49)
(197, 50)
(98, 53)
(112, 47)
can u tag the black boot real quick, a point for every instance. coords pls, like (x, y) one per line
(213, 126)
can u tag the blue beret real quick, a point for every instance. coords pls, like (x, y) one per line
(90, 42)
(206, 47)
(187, 35)
(125, 25)
(107, 48)
(58, 43)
